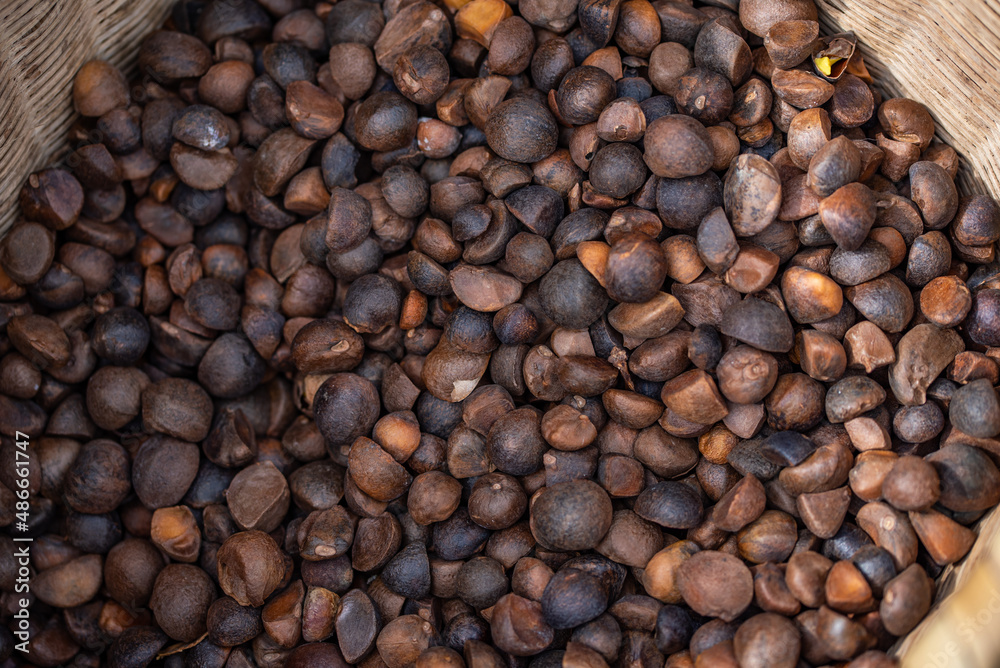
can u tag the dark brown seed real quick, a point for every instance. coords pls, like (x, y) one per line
(583, 93)
(521, 129)
(678, 146)
(518, 626)
(421, 74)
(975, 409)
(705, 95)
(767, 639)
(180, 600)
(760, 324)
(571, 515)
(907, 598)
(670, 504)
(385, 121)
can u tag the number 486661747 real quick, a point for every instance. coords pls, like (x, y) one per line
(22, 461)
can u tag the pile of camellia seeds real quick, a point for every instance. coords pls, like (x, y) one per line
(552, 334)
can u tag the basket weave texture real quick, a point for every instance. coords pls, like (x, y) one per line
(944, 53)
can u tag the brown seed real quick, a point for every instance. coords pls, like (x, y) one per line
(820, 355)
(825, 469)
(933, 191)
(921, 354)
(130, 571)
(661, 574)
(847, 590)
(907, 598)
(801, 89)
(771, 593)
(810, 296)
(767, 640)
(976, 222)
(848, 215)
(52, 197)
(790, 42)
(375, 471)
(319, 611)
(741, 505)
(858, 266)
(225, 84)
(836, 164)
(721, 49)
(850, 397)
(258, 497)
(891, 531)
(771, 537)
(752, 194)
(250, 567)
(907, 121)
(313, 113)
(759, 17)
(760, 324)
(824, 512)
(705, 95)
(511, 47)
(385, 121)
(912, 484)
(98, 482)
(583, 93)
(898, 156)
(867, 434)
(40, 340)
(886, 301)
(433, 497)
(726, 145)
(518, 626)
(753, 269)
(99, 87)
(806, 575)
(282, 616)
(715, 584)
(638, 30)
(180, 601)
(975, 409)
(800, 201)
(808, 132)
(202, 170)
(175, 531)
(668, 62)
(412, 26)
(945, 540)
(571, 515)
(853, 103)
(26, 252)
(521, 129)
(479, 20)
(693, 395)
(869, 472)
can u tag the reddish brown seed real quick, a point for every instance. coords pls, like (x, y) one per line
(715, 584)
(99, 87)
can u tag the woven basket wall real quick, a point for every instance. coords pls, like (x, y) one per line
(944, 53)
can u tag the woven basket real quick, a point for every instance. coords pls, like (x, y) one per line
(943, 53)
